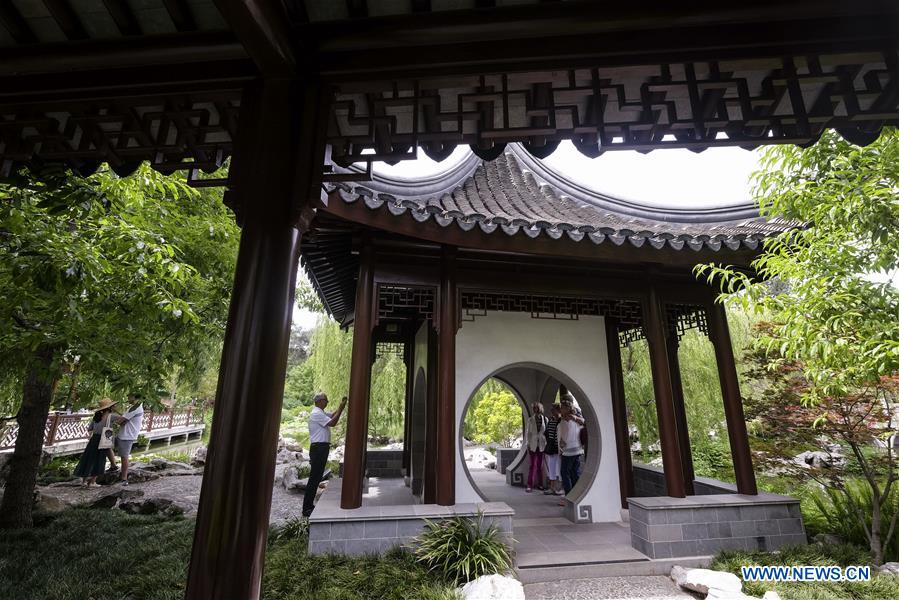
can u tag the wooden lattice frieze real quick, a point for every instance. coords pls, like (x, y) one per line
(388, 349)
(397, 302)
(184, 132)
(477, 304)
(681, 105)
(630, 335)
(682, 317)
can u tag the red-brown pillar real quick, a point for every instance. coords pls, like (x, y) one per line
(360, 384)
(408, 360)
(233, 516)
(446, 400)
(619, 413)
(733, 403)
(430, 475)
(680, 413)
(654, 326)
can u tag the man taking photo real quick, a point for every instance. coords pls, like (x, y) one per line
(320, 423)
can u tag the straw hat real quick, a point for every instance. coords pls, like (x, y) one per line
(106, 403)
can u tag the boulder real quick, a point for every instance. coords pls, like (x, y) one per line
(288, 456)
(49, 504)
(162, 464)
(771, 595)
(153, 506)
(198, 458)
(135, 475)
(820, 460)
(890, 568)
(827, 539)
(717, 584)
(110, 499)
(493, 587)
(292, 481)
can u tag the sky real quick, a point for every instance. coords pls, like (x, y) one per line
(716, 177)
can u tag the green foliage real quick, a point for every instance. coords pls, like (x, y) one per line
(495, 416)
(880, 586)
(126, 280)
(388, 397)
(300, 386)
(147, 558)
(290, 574)
(294, 528)
(463, 549)
(835, 318)
(836, 511)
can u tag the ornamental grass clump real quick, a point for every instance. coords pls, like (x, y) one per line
(462, 549)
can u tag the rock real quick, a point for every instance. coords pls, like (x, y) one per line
(493, 587)
(198, 458)
(288, 456)
(161, 464)
(110, 499)
(717, 584)
(491, 465)
(820, 460)
(292, 481)
(771, 595)
(135, 475)
(827, 539)
(153, 506)
(890, 568)
(49, 504)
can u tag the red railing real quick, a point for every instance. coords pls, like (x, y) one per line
(67, 428)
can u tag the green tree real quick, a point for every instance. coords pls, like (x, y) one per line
(837, 321)
(111, 283)
(300, 387)
(496, 418)
(388, 397)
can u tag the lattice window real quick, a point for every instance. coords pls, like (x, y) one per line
(395, 301)
(683, 317)
(387, 349)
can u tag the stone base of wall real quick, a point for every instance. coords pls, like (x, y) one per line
(384, 463)
(649, 481)
(504, 458)
(377, 529)
(665, 527)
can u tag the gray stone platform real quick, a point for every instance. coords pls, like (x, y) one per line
(665, 527)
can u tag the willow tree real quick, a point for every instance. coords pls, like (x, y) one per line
(126, 278)
(837, 320)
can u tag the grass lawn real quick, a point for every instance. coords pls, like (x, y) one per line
(85, 554)
(881, 587)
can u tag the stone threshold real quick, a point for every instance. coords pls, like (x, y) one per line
(327, 514)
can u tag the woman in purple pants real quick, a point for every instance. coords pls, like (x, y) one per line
(536, 445)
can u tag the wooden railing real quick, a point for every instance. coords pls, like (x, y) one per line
(67, 428)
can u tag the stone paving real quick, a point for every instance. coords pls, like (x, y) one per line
(607, 588)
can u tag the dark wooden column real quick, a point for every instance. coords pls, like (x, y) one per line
(446, 401)
(656, 332)
(680, 413)
(409, 361)
(619, 413)
(267, 193)
(429, 488)
(733, 403)
(360, 383)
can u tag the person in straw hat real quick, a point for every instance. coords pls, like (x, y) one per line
(93, 459)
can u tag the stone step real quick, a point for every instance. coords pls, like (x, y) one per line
(560, 572)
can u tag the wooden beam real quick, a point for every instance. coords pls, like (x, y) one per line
(262, 28)
(181, 15)
(65, 16)
(680, 413)
(446, 380)
(619, 413)
(124, 18)
(357, 9)
(15, 24)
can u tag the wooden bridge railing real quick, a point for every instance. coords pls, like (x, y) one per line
(67, 428)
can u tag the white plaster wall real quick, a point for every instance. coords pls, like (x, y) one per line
(575, 348)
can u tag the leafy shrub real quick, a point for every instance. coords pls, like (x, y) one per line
(832, 512)
(879, 588)
(712, 459)
(303, 471)
(462, 549)
(294, 528)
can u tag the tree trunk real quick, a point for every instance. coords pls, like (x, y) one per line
(876, 545)
(37, 394)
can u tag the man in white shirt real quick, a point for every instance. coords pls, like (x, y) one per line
(320, 423)
(130, 423)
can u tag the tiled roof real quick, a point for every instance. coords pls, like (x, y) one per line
(504, 197)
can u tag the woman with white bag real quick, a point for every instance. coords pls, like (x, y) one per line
(93, 459)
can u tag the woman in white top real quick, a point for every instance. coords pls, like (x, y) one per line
(536, 444)
(570, 445)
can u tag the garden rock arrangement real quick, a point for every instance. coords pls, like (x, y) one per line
(493, 587)
(890, 568)
(198, 458)
(715, 585)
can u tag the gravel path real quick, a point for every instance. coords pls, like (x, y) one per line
(646, 587)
